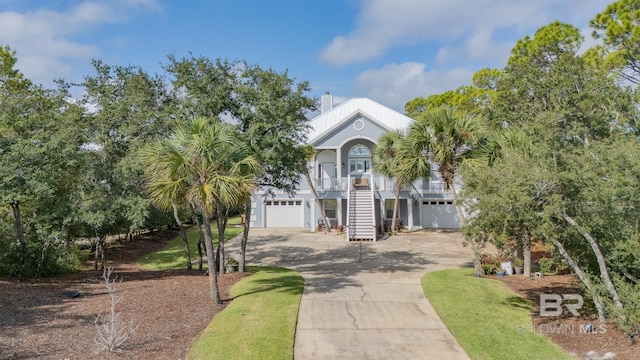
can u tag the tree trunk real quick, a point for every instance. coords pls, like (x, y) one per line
(15, 206)
(396, 204)
(604, 273)
(103, 252)
(526, 253)
(96, 254)
(245, 237)
(585, 280)
(222, 225)
(183, 232)
(200, 243)
(200, 236)
(628, 275)
(477, 263)
(326, 228)
(100, 253)
(208, 244)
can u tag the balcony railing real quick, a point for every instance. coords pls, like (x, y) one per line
(436, 187)
(331, 184)
(379, 184)
(386, 184)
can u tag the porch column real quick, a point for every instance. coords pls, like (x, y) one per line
(312, 208)
(383, 214)
(314, 168)
(410, 202)
(339, 211)
(339, 166)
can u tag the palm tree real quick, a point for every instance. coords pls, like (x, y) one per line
(203, 165)
(396, 158)
(448, 138)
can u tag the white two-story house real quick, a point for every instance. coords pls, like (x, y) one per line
(352, 195)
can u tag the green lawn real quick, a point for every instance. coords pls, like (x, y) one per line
(172, 256)
(488, 319)
(259, 323)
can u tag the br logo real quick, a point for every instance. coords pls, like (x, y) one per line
(551, 304)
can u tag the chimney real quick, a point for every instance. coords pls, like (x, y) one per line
(327, 102)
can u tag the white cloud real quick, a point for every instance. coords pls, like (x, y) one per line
(44, 38)
(396, 84)
(473, 25)
(477, 34)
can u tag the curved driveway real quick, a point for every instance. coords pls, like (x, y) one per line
(364, 300)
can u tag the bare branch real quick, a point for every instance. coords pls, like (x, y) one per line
(112, 330)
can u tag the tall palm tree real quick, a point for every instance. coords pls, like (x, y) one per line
(396, 158)
(202, 164)
(448, 138)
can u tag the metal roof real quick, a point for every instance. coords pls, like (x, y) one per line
(325, 123)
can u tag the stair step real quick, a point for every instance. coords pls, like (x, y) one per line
(361, 212)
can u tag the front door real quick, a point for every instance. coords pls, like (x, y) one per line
(328, 174)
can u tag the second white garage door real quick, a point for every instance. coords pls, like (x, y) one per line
(439, 214)
(284, 213)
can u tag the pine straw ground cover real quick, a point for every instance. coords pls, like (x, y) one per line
(170, 308)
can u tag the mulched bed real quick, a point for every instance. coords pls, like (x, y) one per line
(566, 330)
(170, 308)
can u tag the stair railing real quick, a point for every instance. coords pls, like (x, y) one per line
(373, 209)
(351, 218)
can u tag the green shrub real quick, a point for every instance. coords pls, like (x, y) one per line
(44, 258)
(546, 265)
(630, 296)
(517, 262)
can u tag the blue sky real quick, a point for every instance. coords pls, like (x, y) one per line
(388, 50)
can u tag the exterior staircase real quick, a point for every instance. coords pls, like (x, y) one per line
(361, 215)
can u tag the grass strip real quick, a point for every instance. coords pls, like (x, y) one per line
(259, 323)
(172, 256)
(488, 319)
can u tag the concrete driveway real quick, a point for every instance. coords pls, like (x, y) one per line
(364, 300)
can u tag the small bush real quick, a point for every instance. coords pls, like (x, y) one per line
(546, 265)
(517, 262)
(490, 263)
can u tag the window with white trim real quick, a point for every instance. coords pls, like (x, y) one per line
(359, 159)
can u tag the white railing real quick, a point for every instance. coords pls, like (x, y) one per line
(373, 210)
(348, 227)
(386, 184)
(378, 184)
(331, 184)
(436, 187)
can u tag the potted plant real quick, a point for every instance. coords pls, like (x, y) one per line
(231, 265)
(517, 265)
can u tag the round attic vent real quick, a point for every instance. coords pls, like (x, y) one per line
(358, 124)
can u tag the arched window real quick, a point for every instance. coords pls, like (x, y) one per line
(359, 159)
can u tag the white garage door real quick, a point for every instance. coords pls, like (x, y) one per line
(439, 214)
(284, 213)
